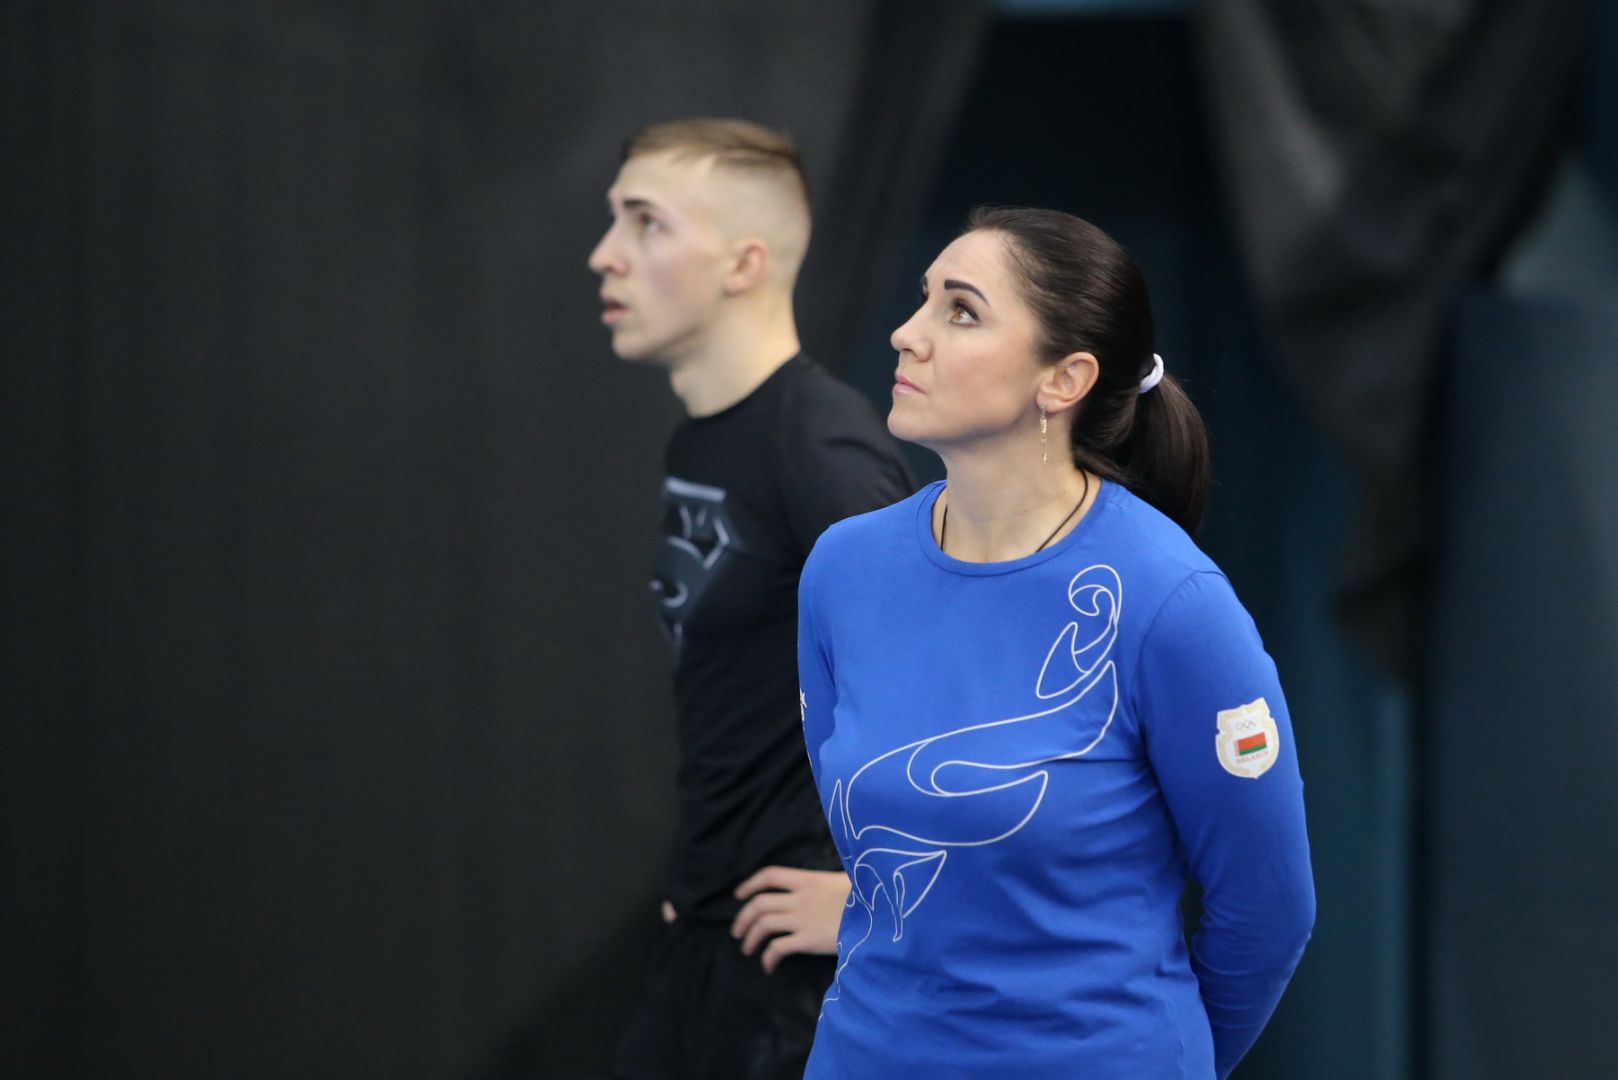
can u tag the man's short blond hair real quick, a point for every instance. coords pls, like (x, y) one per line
(734, 144)
(773, 192)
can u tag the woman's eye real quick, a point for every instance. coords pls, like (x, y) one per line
(959, 312)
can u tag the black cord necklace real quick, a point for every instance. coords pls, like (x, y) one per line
(943, 524)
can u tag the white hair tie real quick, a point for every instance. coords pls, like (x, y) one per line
(1154, 376)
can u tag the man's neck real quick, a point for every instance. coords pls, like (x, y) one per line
(731, 366)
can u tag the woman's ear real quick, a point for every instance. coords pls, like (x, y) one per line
(1066, 383)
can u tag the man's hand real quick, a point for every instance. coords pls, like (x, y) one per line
(797, 910)
(668, 912)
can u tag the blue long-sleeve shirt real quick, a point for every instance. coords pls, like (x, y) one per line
(1021, 763)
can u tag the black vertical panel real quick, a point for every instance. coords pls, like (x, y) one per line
(337, 722)
(42, 606)
(1521, 929)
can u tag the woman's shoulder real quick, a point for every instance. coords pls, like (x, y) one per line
(1156, 549)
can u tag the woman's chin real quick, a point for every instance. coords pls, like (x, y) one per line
(902, 427)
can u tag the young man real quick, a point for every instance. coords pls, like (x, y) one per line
(710, 223)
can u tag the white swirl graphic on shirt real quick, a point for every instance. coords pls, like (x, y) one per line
(900, 850)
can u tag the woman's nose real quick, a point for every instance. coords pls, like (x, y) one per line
(906, 338)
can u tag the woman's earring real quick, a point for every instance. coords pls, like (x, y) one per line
(1044, 451)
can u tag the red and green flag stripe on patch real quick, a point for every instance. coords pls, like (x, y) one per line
(1251, 745)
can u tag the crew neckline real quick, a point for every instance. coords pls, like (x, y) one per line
(793, 362)
(928, 498)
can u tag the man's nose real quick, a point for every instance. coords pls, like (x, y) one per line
(604, 257)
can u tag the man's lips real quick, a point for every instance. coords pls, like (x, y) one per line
(612, 310)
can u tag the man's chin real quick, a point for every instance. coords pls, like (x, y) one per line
(631, 351)
(627, 352)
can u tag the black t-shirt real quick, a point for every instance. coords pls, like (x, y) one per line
(748, 491)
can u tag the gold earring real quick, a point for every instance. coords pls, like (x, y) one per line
(1044, 451)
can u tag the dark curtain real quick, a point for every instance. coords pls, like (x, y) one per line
(1521, 933)
(919, 62)
(336, 723)
(1377, 155)
(1521, 929)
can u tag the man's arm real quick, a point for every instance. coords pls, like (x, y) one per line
(841, 461)
(797, 910)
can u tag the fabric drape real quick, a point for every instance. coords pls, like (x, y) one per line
(337, 717)
(1377, 156)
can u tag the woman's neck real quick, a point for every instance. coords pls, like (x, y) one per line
(989, 513)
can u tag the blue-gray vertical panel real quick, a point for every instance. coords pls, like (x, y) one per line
(1522, 875)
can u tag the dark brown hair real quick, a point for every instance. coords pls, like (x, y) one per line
(1089, 296)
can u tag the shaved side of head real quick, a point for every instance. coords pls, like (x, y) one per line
(760, 188)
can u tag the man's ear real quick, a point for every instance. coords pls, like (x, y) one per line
(1067, 382)
(749, 262)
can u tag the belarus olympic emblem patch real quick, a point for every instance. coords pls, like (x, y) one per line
(1248, 742)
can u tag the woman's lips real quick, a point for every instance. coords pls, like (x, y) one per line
(902, 385)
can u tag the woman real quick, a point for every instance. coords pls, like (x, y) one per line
(1034, 707)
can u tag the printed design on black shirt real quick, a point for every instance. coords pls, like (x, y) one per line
(696, 532)
(996, 766)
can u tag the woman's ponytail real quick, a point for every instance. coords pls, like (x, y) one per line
(1089, 296)
(1167, 454)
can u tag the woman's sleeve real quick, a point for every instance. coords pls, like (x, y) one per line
(1219, 738)
(816, 693)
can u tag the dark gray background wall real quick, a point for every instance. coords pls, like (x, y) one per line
(336, 732)
(337, 735)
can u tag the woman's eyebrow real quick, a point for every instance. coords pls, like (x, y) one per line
(951, 283)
